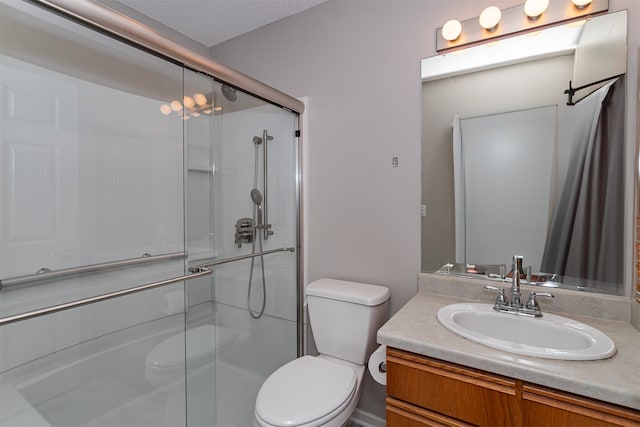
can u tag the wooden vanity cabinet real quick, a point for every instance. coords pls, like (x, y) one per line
(544, 407)
(422, 391)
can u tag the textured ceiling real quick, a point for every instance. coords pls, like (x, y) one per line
(211, 22)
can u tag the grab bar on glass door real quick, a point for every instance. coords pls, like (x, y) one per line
(194, 273)
(46, 274)
(241, 257)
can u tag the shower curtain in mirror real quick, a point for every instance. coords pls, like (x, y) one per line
(585, 238)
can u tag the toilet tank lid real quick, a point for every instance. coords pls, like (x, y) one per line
(354, 292)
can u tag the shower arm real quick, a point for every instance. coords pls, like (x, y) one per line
(265, 223)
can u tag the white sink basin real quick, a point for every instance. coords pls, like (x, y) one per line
(550, 336)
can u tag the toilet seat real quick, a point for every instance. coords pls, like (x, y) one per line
(305, 392)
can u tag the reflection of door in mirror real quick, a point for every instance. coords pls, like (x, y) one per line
(503, 185)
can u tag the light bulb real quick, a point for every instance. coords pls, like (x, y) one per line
(188, 102)
(581, 4)
(490, 17)
(176, 106)
(165, 109)
(452, 30)
(200, 99)
(534, 8)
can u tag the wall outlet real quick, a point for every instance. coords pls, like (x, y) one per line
(423, 211)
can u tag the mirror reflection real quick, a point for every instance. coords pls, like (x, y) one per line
(509, 168)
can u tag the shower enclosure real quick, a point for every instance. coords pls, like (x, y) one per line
(125, 164)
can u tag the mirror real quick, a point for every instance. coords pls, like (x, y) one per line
(509, 168)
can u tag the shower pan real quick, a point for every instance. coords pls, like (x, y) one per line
(124, 297)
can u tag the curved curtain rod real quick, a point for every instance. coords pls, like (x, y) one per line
(124, 27)
(572, 90)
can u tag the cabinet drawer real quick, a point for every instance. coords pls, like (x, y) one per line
(545, 407)
(461, 393)
(402, 414)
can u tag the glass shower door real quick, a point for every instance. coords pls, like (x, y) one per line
(91, 204)
(236, 211)
(120, 169)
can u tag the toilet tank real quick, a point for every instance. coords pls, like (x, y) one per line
(345, 317)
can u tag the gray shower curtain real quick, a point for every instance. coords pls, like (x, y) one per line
(585, 239)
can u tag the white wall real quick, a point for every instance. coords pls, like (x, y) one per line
(358, 62)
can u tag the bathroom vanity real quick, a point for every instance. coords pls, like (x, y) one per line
(436, 377)
(424, 391)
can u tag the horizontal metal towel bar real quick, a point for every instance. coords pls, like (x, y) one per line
(56, 274)
(241, 257)
(194, 273)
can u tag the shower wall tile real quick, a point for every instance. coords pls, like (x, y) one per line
(85, 185)
(38, 170)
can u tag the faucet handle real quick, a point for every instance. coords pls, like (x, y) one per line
(501, 299)
(532, 303)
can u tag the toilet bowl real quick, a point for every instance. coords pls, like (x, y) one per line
(324, 390)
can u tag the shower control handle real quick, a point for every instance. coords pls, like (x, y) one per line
(245, 228)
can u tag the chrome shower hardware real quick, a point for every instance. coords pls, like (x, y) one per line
(260, 222)
(265, 226)
(245, 229)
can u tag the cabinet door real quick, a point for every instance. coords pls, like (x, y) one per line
(461, 393)
(547, 408)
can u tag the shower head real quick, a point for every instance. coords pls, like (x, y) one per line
(256, 196)
(229, 93)
(257, 140)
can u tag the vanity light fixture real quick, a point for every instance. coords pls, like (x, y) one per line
(490, 18)
(452, 30)
(534, 8)
(494, 24)
(581, 4)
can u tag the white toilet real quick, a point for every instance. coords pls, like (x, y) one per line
(324, 390)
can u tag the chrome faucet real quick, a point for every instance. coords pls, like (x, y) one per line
(515, 306)
(516, 296)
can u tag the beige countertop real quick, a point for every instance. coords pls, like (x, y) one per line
(616, 380)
